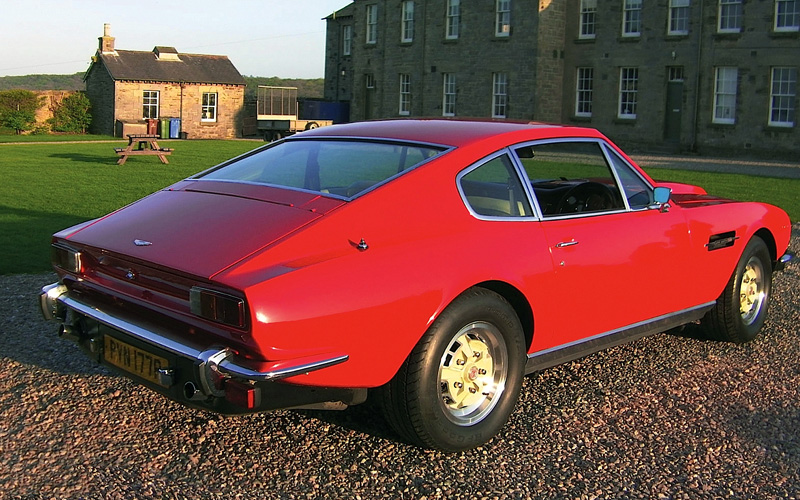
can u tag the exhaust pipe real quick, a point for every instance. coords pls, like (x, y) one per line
(192, 393)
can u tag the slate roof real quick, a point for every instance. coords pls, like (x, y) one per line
(190, 68)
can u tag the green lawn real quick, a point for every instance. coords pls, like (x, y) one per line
(47, 187)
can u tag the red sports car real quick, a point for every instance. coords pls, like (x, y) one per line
(431, 263)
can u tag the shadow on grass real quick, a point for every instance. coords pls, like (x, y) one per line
(88, 158)
(26, 235)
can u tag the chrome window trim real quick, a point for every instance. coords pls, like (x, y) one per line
(474, 166)
(606, 150)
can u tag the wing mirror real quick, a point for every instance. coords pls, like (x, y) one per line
(661, 199)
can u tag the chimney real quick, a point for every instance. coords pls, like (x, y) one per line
(107, 41)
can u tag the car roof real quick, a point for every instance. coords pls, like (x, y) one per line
(448, 132)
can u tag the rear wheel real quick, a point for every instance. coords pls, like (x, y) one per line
(459, 385)
(741, 310)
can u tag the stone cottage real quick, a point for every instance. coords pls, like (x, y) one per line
(129, 89)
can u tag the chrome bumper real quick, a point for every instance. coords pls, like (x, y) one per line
(55, 302)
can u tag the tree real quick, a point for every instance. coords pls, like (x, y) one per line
(18, 109)
(72, 114)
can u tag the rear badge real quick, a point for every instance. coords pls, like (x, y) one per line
(142, 243)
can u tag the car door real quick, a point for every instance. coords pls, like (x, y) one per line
(616, 261)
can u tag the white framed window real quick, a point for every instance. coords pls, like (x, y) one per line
(405, 94)
(453, 21)
(678, 17)
(787, 15)
(448, 94)
(369, 81)
(729, 18)
(782, 97)
(628, 92)
(632, 18)
(208, 112)
(725, 83)
(675, 74)
(584, 88)
(407, 21)
(150, 104)
(499, 95)
(588, 19)
(347, 40)
(502, 18)
(372, 23)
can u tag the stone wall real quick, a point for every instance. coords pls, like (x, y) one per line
(184, 101)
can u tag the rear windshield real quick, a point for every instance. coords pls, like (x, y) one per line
(341, 168)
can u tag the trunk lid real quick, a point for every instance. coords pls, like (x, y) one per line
(203, 227)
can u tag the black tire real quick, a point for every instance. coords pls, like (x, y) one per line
(742, 307)
(447, 397)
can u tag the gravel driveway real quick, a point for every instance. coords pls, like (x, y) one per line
(668, 416)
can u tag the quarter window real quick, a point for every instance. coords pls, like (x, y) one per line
(405, 94)
(583, 92)
(787, 15)
(628, 92)
(502, 18)
(209, 109)
(494, 190)
(407, 28)
(678, 17)
(632, 18)
(453, 19)
(588, 19)
(449, 95)
(499, 95)
(150, 104)
(730, 16)
(725, 82)
(372, 24)
(783, 95)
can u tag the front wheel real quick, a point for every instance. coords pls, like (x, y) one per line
(741, 309)
(459, 385)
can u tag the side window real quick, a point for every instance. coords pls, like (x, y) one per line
(494, 190)
(570, 178)
(638, 193)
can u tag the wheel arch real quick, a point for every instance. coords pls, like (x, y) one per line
(518, 302)
(766, 235)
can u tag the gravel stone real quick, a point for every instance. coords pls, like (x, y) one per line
(667, 417)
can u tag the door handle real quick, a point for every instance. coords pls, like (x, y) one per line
(565, 244)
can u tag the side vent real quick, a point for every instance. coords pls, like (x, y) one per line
(721, 240)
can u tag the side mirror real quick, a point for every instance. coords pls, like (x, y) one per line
(661, 199)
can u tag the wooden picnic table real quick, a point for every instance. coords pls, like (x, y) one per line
(146, 144)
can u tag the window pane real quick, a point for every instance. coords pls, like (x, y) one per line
(583, 92)
(628, 92)
(495, 190)
(342, 168)
(782, 97)
(725, 95)
(570, 178)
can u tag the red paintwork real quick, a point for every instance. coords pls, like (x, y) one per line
(311, 291)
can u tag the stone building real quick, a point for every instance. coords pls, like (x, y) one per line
(699, 75)
(126, 88)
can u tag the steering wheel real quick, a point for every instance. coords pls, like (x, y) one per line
(586, 197)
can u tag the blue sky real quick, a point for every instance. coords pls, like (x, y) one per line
(284, 38)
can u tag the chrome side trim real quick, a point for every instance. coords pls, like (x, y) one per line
(583, 347)
(227, 364)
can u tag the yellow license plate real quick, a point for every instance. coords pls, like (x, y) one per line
(132, 359)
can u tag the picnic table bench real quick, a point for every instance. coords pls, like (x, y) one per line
(146, 144)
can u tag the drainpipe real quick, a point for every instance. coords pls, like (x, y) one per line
(696, 117)
(180, 130)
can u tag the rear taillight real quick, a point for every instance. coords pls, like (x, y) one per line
(217, 306)
(66, 258)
